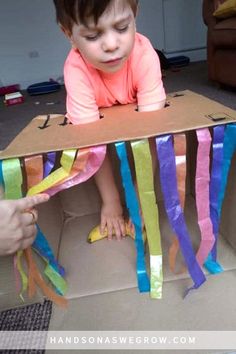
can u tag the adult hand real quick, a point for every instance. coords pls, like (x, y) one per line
(17, 223)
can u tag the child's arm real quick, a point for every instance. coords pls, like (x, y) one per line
(111, 213)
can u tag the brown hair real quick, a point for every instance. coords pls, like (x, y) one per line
(69, 12)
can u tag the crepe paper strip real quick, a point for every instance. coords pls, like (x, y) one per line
(180, 161)
(12, 176)
(202, 195)
(49, 163)
(23, 276)
(67, 160)
(228, 152)
(56, 279)
(36, 278)
(134, 213)
(165, 152)
(215, 182)
(33, 170)
(1, 175)
(42, 246)
(87, 163)
(229, 147)
(144, 173)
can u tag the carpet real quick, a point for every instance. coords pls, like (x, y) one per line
(34, 317)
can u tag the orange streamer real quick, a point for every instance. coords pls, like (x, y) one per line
(34, 170)
(36, 278)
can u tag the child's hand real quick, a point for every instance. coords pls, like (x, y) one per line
(112, 219)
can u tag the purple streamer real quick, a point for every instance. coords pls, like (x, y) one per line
(49, 163)
(166, 156)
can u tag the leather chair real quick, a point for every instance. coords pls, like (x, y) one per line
(221, 45)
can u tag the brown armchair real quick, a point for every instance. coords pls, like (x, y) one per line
(221, 45)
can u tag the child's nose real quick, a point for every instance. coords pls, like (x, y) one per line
(110, 42)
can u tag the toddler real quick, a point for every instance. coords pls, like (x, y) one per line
(109, 63)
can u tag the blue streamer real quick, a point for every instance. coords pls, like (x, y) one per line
(133, 207)
(215, 184)
(166, 156)
(41, 245)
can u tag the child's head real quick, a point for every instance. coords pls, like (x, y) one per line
(102, 30)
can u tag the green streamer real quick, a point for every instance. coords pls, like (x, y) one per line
(56, 279)
(12, 176)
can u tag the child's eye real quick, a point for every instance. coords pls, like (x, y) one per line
(122, 29)
(92, 37)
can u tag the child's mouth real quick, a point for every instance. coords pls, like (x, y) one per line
(113, 62)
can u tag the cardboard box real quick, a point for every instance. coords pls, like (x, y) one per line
(97, 269)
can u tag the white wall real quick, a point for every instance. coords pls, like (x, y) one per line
(32, 46)
(184, 30)
(33, 49)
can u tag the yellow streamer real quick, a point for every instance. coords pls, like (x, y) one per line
(67, 160)
(24, 279)
(144, 173)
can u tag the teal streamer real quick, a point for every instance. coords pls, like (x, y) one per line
(215, 184)
(1, 175)
(229, 147)
(133, 207)
(42, 246)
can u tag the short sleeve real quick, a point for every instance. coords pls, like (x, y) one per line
(148, 75)
(80, 101)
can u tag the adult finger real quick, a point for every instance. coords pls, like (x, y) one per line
(30, 202)
(26, 242)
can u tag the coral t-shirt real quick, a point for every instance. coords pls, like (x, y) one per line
(138, 81)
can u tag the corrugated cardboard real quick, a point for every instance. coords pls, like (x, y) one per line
(185, 111)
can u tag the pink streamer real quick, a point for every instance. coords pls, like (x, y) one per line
(202, 195)
(94, 162)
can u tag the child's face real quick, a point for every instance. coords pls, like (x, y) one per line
(107, 44)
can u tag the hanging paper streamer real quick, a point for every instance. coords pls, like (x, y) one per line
(87, 163)
(11, 170)
(229, 147)
(1, 175)
(12, 176)
(42, 246)
(34, 277)
(175, 214)
(134, 212)
(49, 163)
(20, 274)
(202, 195)
(180, 161)
(33, 170)
(144, 173)
(1, 182)
(215, 184)
(13, 180)
(67, 160)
